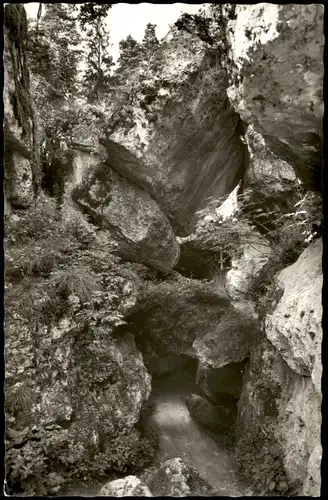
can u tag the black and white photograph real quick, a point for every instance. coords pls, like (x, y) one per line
(163, 249)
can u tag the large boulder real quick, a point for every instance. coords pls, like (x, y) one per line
(185, 144)
(134, 219)
(19, 119)
(175, 477)
(230, 342)
(276, 79)
(129, 486)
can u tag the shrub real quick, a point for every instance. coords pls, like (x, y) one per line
(75, 281)
(59, 269)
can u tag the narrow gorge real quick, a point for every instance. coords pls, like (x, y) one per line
(163, 255)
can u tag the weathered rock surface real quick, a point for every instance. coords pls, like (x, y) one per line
(19, 122)
(281, 396)
(129, 486)
(125, 383)
(173, 314)
(77, 391)
(278, 424)
(230, 342)
(175, 477)
(185, 146)
(271, 179)
(277, 80)
(138, 225)
(294, 327)
(84, 159)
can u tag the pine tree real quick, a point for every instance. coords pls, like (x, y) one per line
(131, 55)
(97, 76)
(150, 41)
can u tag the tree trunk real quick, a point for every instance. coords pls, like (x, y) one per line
(38, 19)
(99, 60)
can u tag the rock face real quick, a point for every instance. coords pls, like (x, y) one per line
(186, 145)
(129, 486)
(176, 478)
(294, 328)
(230, 342)
(125, 384)
(280, 405)
(19, 121)
(269, 177)
(138, 225)
(277, 80)
(172, 315)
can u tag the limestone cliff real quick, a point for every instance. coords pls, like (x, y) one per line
(188, 134)
(276, 80)
(280, 405)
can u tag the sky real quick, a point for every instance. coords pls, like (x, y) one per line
(130, 19)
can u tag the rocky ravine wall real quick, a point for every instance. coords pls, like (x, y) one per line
(280, 406)
(276, 80)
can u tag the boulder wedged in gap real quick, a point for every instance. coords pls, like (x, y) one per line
(230, 342)
(138, 225)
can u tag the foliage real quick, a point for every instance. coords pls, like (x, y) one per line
(97, 76)
(129, 59)
(83, 283)
(195, 23)
(28, 460)
(54, 55)
(215, 231)
(150, 41)
(75, 281)
(53, 50)
(209, 26)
